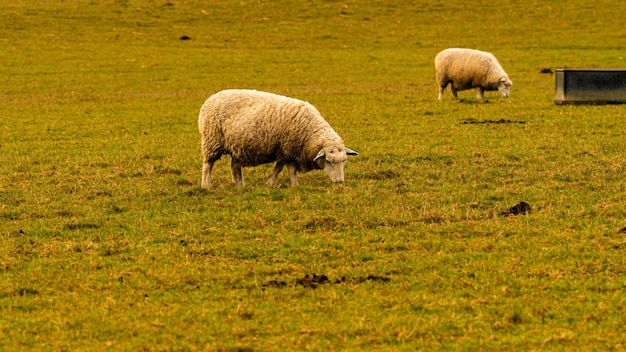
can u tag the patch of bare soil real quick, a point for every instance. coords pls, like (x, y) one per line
(518, 209)
(315, 280)
(312, 281)
(482, 122)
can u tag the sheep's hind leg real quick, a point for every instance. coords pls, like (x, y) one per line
(271, 181)
(207, 167)
(237, 174)
(293, 174)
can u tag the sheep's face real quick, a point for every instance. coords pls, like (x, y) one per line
(332, 159)
(504, 86)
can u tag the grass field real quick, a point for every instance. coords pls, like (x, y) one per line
(107, 241)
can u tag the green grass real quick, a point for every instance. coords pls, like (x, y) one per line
(107, 241)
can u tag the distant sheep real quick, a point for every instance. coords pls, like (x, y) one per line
(466, 69)
(256, 128)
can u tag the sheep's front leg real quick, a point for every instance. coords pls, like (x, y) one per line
(293, 174)
(271, 181)
(481, 93)
(237, 174)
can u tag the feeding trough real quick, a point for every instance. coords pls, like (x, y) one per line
(590, 86)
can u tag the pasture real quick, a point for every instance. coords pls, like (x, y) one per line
(107, 241)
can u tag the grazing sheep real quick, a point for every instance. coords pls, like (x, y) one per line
(256, 128)
(466, 69)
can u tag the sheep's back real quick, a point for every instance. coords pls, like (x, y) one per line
(463, 61)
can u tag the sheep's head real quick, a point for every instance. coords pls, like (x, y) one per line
(332, 159)
(504, 86)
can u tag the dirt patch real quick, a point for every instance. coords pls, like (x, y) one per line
(27, 292)
(275, 283)
(315, 280)
(312, 281)
(484, 122)
(517, 209)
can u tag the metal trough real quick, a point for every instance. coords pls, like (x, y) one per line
(590, 86)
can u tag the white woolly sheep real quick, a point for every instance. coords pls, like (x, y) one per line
(256, 128)
(466, 69)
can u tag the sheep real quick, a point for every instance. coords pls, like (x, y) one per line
(256, 127)
(467, 68)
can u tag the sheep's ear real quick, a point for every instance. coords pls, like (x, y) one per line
(320, 154)
(351, 152)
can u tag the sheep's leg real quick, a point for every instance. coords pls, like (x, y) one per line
(207, 166)
(454, 92)
(293, 174)
(237, 174)
(481, 93)
(441, 89)
(271, 181)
